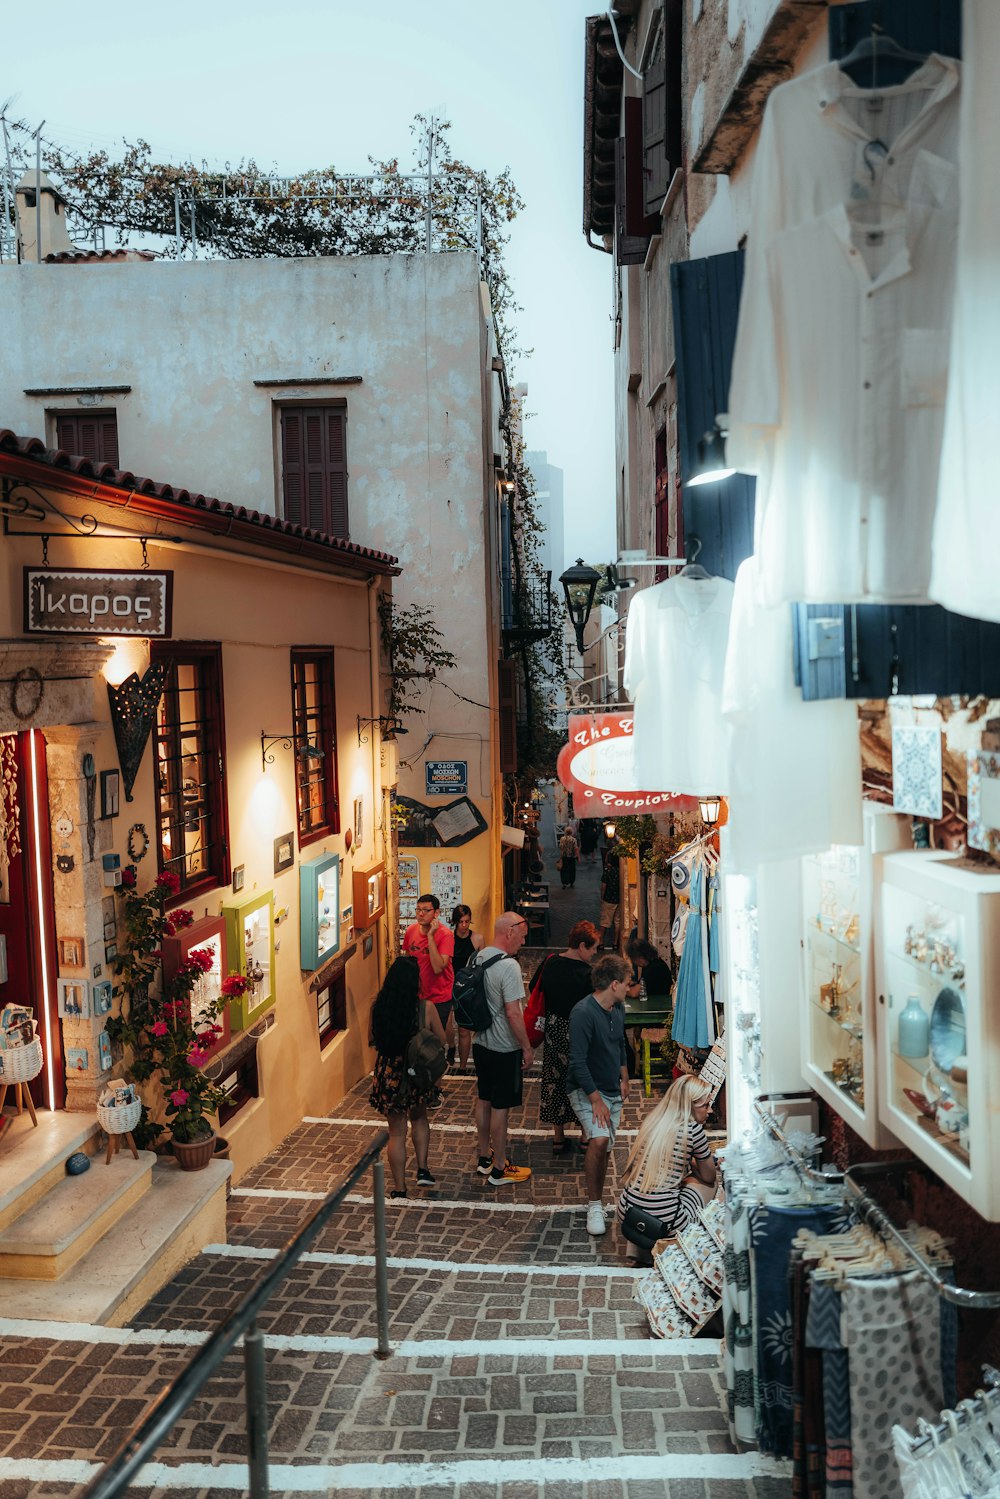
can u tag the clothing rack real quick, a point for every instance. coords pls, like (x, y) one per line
(869, 1211)
(968, 1410)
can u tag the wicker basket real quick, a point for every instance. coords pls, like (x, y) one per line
(121, 1120)
(22, 1063)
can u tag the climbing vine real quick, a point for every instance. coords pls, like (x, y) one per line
(414, 648)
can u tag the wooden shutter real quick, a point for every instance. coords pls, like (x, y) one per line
(314, 467)
(507, 674)
(638, 220)
(630, 249)
(655, 166)
(94, 436)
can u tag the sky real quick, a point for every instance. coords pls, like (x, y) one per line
(297, 86)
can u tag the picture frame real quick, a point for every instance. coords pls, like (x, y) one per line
(77, 1059)
(110, 794)
(369, 895)
(284, 852)
(211, 935)
(239, 876)
(71, 954)
(74, 999)
(984, 801)
(368, 944)
(319, 906)
(100, 995)
(249, 925)
(359, 821)
(110, 951)
(104, 1050)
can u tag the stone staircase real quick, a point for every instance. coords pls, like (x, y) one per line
(94, 1248)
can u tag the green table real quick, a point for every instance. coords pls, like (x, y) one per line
(655, 1009)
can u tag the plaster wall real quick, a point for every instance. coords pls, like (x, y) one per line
(257, 613)
(191, 338)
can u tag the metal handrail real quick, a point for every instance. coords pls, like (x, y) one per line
(122, 1468)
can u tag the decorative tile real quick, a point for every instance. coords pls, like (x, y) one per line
(984, 801)
(916, 771)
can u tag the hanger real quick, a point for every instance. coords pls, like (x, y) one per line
(877, 51)
(692, 568)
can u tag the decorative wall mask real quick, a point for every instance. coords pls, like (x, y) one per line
(133, 713)
(916, 770)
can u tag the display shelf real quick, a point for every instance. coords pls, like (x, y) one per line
(839, 1042)
(938, 1104)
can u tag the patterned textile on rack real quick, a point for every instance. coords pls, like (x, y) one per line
(737, 1345)
(949, 1343)
(808, 1442)
(772, 1230)
(823, 1335)
(892, 1332)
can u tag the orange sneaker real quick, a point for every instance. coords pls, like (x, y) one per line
(509, 1174)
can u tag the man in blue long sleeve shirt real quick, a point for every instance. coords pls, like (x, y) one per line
(597, 1079)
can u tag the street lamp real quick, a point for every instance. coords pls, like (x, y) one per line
(609, 831)
(712, 465)
(709, 807)
(575, 580)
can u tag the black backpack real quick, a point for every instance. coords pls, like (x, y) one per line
(472, 1007)
(424, 1061)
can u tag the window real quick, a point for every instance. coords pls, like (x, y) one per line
(314, 467)
(313, 729)
(241, 1084)
(191, 767)
(331, 1009)
(93, 436)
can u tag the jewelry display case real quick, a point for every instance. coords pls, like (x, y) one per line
(369, 895)
(938, 980)
(208, 935)
(250, 942)
(319, 910)
(839, 1031)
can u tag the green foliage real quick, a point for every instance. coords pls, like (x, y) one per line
(634, 833)
(416, 655)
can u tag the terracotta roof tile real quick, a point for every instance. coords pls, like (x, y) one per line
(184, 499)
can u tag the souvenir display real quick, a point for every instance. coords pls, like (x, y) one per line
(691, 1294)
(666, 1320)
(319, 908)
(369, 895)
(704, 1254)
(917, 785)
(204, 937)
(250, 952)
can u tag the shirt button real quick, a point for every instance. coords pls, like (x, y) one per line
(868, 385)
(891, 160)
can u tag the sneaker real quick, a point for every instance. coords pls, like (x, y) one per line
(450, 1056)
(397, 1194)
(485, 1164)
(435, 1100)
(596, 1221)
(424, 1178)
(510, 1174)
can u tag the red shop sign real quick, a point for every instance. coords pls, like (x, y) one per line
(598, 767)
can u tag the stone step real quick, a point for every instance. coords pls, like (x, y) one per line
(34, 1159)
(63, 1225)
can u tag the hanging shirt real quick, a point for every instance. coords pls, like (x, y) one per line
(825, 142)
(782, 750)
(675, 652)
(967, 525)
(849, 388)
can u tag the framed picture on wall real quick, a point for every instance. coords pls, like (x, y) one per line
(249, 927)
(208, 936)
(74, 999)
(110, 792)
(319, 908)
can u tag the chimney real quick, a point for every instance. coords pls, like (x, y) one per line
(48, 215)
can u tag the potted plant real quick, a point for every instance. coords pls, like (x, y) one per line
(168, 1042)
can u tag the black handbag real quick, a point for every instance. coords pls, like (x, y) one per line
(642, 1229)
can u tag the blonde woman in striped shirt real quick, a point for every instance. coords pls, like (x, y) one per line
(671, 1170)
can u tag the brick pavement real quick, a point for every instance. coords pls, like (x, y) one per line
(479, 1314)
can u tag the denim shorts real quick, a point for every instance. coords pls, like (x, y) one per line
(582, 1107)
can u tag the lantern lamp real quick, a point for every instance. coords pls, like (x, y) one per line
(579, 584)
(709, 807)
(610, 830)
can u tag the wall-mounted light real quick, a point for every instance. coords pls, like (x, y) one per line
(709, 807)
(302, 748)
(579, 584)
(508, 486)
(711, 466)
(389, 725)
(610, 830)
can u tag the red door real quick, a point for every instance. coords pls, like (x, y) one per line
(27, 920)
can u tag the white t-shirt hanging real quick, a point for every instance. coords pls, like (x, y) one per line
(967, 526)
(850, 382)
(825, 142)
(675, 653)
(794, 767)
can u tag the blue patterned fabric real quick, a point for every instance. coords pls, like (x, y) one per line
(823, 1332)
(949, 1345)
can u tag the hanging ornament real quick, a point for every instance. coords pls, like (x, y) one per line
(133, 713)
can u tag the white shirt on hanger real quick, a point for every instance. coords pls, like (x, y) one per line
(849, 383)
(675, 653)
(784, 753)
(819, 147)
(967, 526)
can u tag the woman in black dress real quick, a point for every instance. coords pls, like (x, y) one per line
(397, 1014)
(467, 942)
(565, 980)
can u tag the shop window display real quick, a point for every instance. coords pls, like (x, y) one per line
(250, 945)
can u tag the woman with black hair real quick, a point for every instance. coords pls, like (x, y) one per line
(467, 944)
(397, 1014)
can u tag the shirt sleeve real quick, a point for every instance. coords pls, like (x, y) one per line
(633, 671)
(579, 1037)
(698, 1143)
(511, 982)
(444, 939)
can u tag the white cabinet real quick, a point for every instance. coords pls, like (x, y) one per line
(938, 920)
(839, 1040)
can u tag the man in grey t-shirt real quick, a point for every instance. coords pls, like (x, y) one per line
(597, 1077)
(501, 1051)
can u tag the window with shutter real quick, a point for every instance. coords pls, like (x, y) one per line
(93, 435)
(313, 727)
(314, 467)
(661, 110)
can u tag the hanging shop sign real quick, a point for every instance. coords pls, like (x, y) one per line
(446, 777)
(598, 767)
(74, 601)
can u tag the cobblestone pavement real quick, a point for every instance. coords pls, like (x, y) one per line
(522, 1363)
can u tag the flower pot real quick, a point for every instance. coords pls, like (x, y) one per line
(193, 1155)
(221, 1151)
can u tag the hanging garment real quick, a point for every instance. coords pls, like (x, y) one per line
(808, 1436)
(823, 1335)
(892, 1332)
(848, 393)
(737, 1317)
(782, 750)
(694, 1021)
(967, 525)
(675, 652)
(825, 142)
(714, 917)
